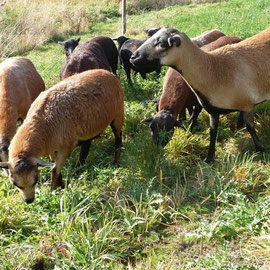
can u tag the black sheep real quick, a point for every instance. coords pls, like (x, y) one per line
(99, 52)
(126, 47)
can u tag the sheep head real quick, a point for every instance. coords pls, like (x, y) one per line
(24, 174)
(70, 45)
(161, 127)
(160, 49)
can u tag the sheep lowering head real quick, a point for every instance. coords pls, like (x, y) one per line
(232, 78)
(75, 110)
(177, 96)
(69, 45)
(20, 84)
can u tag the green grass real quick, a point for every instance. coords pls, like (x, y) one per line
(163, 208)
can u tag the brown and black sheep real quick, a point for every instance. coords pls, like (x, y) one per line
(177, 96)
(78, 108)
(232, 78)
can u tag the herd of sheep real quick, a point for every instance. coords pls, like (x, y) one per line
(212, 71)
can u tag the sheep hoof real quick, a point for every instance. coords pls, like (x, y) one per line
(260, 148)
(208, 160)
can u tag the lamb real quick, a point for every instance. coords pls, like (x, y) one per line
(232, 78)
(74, 110)
(126, 47)
(177, 96)
(69, 45)
(20, 84)
(99, 52)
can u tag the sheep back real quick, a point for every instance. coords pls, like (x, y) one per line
(78, 108)
(20, 84)
(91, 55)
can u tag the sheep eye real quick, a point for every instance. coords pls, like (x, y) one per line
(157, 42)
(16, 185)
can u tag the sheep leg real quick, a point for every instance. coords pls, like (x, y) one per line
(214, 119)
(190, 110)
(143, 75)
(127, 70)
(249, 120)
(158, 72)
(118, 141)
(194, 116)
(182, 115)
(56, 176)
(240, 120)
(85, 146)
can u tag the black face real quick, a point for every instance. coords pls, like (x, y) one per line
(70, 45)
(162, 128)
(121, 40)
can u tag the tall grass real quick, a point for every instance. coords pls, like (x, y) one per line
(24, 26)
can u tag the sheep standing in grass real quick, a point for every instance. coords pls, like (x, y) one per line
(126, 47)
(99, 52)
(76, 109)
(177, 96)
(20, 84)
(232, 78)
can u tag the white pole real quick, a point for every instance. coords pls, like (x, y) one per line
(124, 17)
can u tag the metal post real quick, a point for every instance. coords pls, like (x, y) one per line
(124, 18)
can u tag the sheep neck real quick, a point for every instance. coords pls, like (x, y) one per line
(198, 68)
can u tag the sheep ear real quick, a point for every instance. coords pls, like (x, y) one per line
(4, 165)
(174, 40)
(147, 120)
(61, 43)
(41, 163)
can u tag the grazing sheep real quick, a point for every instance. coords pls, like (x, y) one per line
(74, 110)
(126, 47)
(99, 52)
(177, 96)
(69, 45)
(232, 78)
(20, 84)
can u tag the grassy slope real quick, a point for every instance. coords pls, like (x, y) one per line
(164, 208)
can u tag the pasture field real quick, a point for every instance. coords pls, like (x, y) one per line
(162, 208)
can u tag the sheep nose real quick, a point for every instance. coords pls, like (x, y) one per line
(29, 200)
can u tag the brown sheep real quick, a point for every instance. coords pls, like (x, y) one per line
(177, 96)
(207, 37)
(20, 84)
(99, 52)
(232, 78)
(74, 110)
